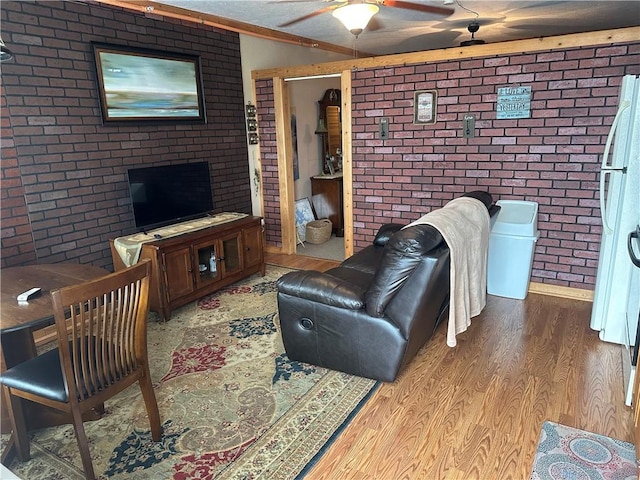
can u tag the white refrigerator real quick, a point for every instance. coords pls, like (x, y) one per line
(615, 299)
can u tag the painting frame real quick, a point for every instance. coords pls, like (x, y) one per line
(304, 215)
(171, 88)
(425, 103)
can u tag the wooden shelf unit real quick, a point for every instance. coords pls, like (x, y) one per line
(326, 195)
(177, 275)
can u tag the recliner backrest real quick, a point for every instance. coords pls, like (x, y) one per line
(403, 252)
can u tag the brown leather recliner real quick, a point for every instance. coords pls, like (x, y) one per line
(370, 315)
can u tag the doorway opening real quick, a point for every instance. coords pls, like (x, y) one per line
(320, 153)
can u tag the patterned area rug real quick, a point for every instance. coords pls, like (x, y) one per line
(570, 454)
(233, 405)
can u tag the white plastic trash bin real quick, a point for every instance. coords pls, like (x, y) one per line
(511, 244)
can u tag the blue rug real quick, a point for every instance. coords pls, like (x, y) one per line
(566, 453)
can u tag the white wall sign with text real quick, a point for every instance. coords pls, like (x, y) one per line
(513, 102)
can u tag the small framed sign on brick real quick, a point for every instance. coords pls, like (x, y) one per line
(424, 107)
(513, 102)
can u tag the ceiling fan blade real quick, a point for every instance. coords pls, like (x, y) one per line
(374, 24)
(429, 41)
(463, 22)
(296, 1)
(309, 15)
(418, 7)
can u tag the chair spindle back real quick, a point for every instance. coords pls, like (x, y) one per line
(102, 334)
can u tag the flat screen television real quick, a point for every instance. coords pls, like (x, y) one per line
(170, 194)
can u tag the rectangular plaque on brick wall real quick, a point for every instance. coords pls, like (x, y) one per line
(424, 107)
(513, 102)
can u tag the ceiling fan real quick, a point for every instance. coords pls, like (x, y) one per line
(355, 14)
(473, 27)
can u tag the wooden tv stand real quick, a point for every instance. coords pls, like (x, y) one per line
(180, 270)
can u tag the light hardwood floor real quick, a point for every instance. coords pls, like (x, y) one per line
(475, 411)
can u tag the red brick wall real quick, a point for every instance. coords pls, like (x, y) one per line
(16, 238)
(73, 168)
(551, 158)
(269, 162)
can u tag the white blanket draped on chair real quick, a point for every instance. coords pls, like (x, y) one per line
(464, 224)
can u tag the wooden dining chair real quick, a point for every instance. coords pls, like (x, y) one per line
(102, 349)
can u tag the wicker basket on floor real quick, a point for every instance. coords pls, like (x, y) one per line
(318, 231)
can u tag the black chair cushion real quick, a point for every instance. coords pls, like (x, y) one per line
(385, 232)
(403, 252)
(41, 376)
(484, 197)
(326, 288)
(366, 260)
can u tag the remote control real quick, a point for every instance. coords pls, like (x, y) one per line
(23, 297)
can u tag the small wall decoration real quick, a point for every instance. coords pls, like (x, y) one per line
(252, 123)
(513, 102)
(424, 107)
(137, 84)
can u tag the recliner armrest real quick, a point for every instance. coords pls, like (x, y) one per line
(322, 288)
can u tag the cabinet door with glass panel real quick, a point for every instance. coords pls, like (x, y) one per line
(218, 258)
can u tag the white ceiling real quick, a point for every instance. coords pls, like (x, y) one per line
(396, 30)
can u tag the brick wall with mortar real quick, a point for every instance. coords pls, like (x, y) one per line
(72, 167)
(269, 162)
(16, 237)
(552, 158)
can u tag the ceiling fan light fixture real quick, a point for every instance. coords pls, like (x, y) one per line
(355, 16)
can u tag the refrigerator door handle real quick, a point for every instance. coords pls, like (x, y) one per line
(605, 157)
(606, 168)
(603, 210)
(634, 259)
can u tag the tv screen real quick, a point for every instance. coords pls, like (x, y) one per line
(170, 194)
